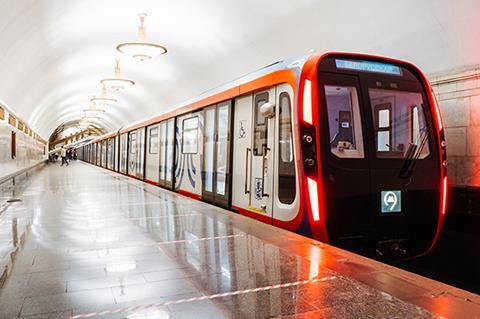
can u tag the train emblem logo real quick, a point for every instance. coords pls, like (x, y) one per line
(391, 201)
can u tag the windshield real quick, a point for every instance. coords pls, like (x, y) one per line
(399, 121)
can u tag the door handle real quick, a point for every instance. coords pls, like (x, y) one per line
(264, 159)
(247, 190)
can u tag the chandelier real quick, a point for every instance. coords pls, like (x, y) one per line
(93, 110)
(141, 49)
(84, 123)
(103, 97)
(117, 83)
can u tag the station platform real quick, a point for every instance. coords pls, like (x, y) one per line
(83, 242)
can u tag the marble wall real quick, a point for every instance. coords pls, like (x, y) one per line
(458, 93)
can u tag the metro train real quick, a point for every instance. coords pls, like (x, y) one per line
(346, 148)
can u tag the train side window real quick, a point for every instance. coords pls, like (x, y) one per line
(190, 136)
(260, 125)
(346, 139)
(153, 140)
(286, 161)
(133, 143)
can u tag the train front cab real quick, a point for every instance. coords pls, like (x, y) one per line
(381, 156)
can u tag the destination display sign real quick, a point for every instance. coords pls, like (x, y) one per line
(368, 66)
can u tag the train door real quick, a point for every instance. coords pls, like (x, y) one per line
(104, 154)
(136, 155)
(167, 134)
(254, 149)
(111, 153)
(188, 154)
(403, 184)
(132, 153)
(117, 153)
(108, 154)
(345, 164)
(216, 154)
(286, 202)
(163, 159)
(95, 153)
(152, 158)
(123, 153)
(99, 153)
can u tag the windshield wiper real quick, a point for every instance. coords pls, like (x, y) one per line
(413, 154)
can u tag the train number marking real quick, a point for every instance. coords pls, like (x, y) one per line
(391, 201)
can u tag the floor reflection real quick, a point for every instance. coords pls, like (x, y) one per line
(103, 244)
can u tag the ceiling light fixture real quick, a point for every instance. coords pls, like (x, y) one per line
(93, 110)
(103, 98)
(141, 49)
(117, 83)
(83, 123)
(90, 117)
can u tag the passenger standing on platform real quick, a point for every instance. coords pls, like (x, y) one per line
(63, 154)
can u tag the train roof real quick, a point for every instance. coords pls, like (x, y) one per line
(295, 64)
(242, 85)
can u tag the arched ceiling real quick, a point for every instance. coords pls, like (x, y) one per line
(54, 52)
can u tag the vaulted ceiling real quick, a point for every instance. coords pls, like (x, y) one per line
(54, 52)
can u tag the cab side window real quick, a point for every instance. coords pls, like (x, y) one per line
(345, 128)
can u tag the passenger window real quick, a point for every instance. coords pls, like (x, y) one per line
(286, 164)
(399, 123)
(190, 136)
(153, 141)
(260, 125)
(133, 143)
(346, 140)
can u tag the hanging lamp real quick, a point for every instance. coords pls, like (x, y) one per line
(93, 110)
(141, 49)
(103, 97)
(117, 83)
(83, 123)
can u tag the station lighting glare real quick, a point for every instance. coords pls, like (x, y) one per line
(141, 49)
(121, 266)
(150, 314)
(117, 83)
(103, 97)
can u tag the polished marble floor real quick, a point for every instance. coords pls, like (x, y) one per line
(83, 242)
